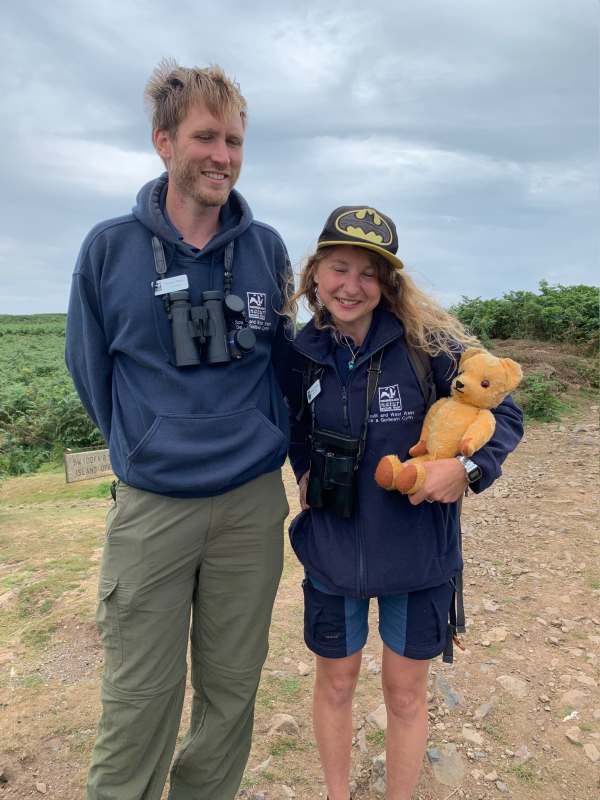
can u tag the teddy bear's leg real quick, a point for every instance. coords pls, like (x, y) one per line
(387, 471)
(412, 476)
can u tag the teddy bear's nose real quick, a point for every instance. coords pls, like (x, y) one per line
(459, 385)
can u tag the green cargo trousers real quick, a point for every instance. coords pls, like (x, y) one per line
(218, 560)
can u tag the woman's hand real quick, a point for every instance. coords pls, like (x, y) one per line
(302, 484)
(446, 482)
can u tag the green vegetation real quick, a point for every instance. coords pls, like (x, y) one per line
(557, 313)
(537, 397)
(376, 738)
(40, 413)
(524, 773)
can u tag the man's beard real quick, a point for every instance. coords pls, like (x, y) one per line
(186, 175)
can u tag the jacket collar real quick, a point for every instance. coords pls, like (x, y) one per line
(318, 344)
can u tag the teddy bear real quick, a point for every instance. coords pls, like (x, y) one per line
(459, 424)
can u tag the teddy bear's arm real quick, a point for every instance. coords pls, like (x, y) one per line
(479, 432)
(420, 448)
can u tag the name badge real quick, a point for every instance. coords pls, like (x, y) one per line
(313, 391)
(175, 284)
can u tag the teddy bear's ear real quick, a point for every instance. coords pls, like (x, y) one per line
(469, 353)
(514, 373)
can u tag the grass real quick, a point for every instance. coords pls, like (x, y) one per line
(284, 744)
(376, 738)
(524, 773)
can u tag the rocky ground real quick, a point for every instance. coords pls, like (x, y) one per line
(517, 715)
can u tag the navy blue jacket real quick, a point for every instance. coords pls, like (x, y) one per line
(191, 431)
(388, 546)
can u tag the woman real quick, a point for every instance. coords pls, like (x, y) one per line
(355, 397)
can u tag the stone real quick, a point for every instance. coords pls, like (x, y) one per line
(262, 767)
(591, 752)
(451, 698)
(574, 698)
(379, 775)
(491, 776)
(471, 735)
(373, 667)
(446, 764)
(515, 686)
(497, 634)
(522, 754)
(41, 788)
(574, 734)
(378, 718)
(586, 680)
(485, 708)
(490, 605)
(502, 787)
(284, 724)
(303, 669)
(288, 792)
(361, 740)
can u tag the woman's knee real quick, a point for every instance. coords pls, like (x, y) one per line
(406, 703)
(336, 683)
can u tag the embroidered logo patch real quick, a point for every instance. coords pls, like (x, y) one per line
(257, 305)
(389, 398)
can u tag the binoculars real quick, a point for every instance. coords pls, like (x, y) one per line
(215, 331)
(333, 461)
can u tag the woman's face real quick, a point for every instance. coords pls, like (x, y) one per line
(349, 288)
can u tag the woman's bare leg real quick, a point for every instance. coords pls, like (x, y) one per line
(335, 682)
(404, 682)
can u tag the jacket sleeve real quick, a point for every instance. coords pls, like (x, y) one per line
(86, 350)
(299, 451)
(508, 432)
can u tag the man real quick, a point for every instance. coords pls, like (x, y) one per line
(181, 382)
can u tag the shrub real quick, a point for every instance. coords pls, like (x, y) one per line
(536, 395)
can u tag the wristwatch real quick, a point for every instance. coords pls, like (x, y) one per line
(472, 471)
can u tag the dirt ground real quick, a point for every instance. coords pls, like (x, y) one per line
(517, 715)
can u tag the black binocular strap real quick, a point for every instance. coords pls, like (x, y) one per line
(372, 380)
(160, 263)
(228, 268)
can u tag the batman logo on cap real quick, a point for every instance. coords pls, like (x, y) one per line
(366, 224)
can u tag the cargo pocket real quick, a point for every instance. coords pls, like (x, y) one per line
(107, 621)
(324, 622)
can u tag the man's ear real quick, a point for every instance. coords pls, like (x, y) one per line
(162, 144)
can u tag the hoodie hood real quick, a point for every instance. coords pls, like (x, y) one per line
(235, 217)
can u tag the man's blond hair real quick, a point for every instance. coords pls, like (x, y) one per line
(173, 89)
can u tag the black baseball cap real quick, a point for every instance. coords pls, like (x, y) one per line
(362, 226)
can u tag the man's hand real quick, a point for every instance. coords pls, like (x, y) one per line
(446, 481)
(302, 484)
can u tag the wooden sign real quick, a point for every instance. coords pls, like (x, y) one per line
(85, 464)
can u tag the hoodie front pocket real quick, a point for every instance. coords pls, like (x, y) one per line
(203, 453)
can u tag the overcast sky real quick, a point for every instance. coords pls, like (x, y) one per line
(473, 124)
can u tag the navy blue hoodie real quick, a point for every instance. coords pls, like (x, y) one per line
(191, 431)
(388, 546)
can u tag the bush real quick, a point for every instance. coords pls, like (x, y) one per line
(536, 396)
(40, 412)
(557, 313)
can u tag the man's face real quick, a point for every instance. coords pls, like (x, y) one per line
(204, 158)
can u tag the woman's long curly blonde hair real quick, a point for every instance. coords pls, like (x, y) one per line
(426, 324)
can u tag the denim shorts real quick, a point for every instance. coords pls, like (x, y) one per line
(414, 625)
